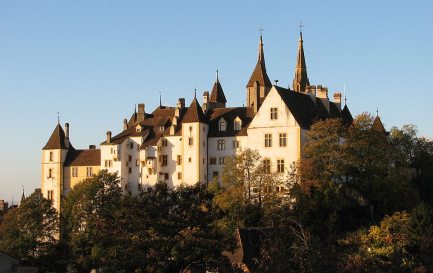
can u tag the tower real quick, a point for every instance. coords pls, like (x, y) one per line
(259, 84)
(53, 159)
(194, 143)
(217, 98)
(300, 81)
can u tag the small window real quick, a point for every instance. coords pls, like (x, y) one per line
(190, 141)
(50, 195)
(235, 144)
(274, 113)
(51, 156)
(280, 165)
(268, 140)
(129, 170)
(89, 171)
(212, 161)
(215, 174)
(137, 162)
(267, 166)
(222, 160)
(237, 124)
(221, 145)
(283, 140)
(108, 163)
(164, 142)
(189, 159)
(179, 160)
(131, 145)
(166, 176)
(179, 175)
(164, 160)
(74, 172)
(161, 128)
(129, 158)
(222, 125)
(50, 173)
(190, 128)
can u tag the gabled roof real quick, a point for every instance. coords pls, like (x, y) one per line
(194, 113)
(259, 74)
(217, 94)
(57, 139)
(246, 114)
(90, 157)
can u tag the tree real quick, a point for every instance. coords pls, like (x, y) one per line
(30, 231)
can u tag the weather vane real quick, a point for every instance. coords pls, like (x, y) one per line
(261, 29)
(300, 27)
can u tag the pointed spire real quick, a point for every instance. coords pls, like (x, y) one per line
(378, 125)
(217, 95)
(300, 80)
(259, 74)
(194, 112)
(57, 139)
(160, 99)
(23, 197)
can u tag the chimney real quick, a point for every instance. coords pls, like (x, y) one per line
(205, 101)
(67, 135)
(92, 147)
(125, 124)
(179, 107)
(337, 99)
(141, 108)
(108, 137)
(322, 94)
(311, 91)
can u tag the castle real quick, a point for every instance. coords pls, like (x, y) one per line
(184, 145)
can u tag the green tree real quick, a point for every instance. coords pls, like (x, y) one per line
(30, 231)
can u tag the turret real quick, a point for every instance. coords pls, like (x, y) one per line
(300, 81)
(259, 84)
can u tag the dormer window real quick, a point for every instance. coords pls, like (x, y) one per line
(138, 128)
(237, 124)
(222, 125)
(161, 128)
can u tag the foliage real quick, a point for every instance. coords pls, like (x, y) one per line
(29, 232)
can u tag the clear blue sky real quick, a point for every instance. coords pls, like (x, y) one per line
(93, 60)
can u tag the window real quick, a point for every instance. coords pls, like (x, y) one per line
(131, 145)
(179, 160)
(222, 160)
(283, 140)
(137, 162)
(161, 128)
(89, 171)
(50, 173)
(237, 125)
(280, 166)
(129, 158)
(51, 156)
(166, 176)
(268, 140)
(190, 141)
(129, 170)
(50, 195)
(274, 113)
(163, 160)
(190, 128)
(222, 125)
(235, 144)
(267, 166)
(212, 161)
(113, 151)
(179, 175)
(215, 174)
(221, 145)
(164, 142)
(74, 172)
(108, 163)
(189, 159)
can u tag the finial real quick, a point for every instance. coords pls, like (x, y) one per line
(377, 112)
(261, 29)
(195, 93)
(217, 79)
(58, 118)
(300, 29)
(160, 99)
(344, 91)
(276, 82)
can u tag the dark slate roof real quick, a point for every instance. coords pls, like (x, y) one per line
(217, 94)
(246, 114)
(194, 113)
(305, 111)
(90, 157)
(57, 139)
(259, 75)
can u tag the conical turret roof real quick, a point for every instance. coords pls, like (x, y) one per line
(300, 80)
(259, 74)
(217, 94)
(194, 113)
(57, 139)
